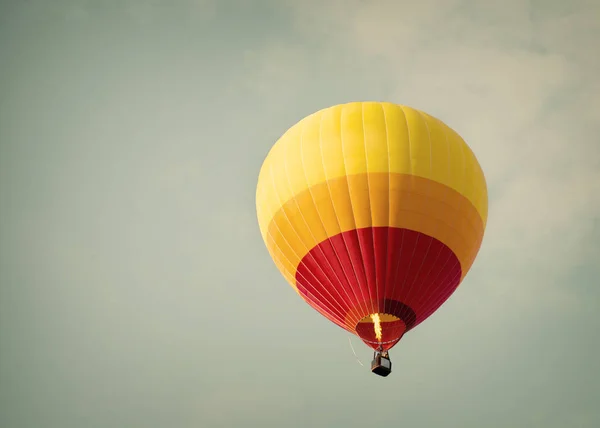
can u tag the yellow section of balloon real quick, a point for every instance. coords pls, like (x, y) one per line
(366, 137)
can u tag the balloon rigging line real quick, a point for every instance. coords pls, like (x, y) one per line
(352, 347)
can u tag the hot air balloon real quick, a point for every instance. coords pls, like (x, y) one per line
(374, 213)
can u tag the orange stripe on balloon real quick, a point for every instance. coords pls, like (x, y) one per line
(374, 200)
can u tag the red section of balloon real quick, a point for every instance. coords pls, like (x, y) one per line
(378, 270)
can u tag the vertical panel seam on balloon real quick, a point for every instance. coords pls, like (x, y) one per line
(351, 206)
(277, 226)
(368, 253)
(457, 261)
(480, 194)
(428, 194)
(293, 228)
(389, 221)
(442, 281)
(343, 236)
(318, 246)
(428, 287)
(287, 242)
(395, 280)
(464, 180)
(412, 178)
(348, 283)
(310, 296)
(444, 198)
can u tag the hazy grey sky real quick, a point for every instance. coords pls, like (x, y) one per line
(135, 289)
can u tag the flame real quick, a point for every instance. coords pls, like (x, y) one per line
(377, 326)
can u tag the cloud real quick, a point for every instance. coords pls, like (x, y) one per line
(517, 82)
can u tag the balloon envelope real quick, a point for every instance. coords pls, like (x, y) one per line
(374, 213)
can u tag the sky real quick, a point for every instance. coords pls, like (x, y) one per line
(135, 289)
